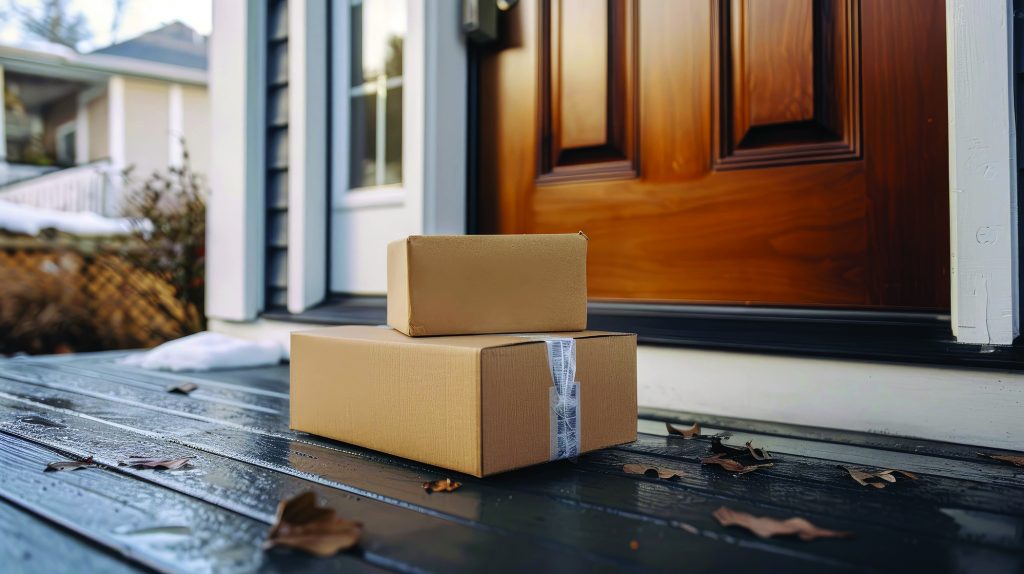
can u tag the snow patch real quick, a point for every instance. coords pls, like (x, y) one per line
(207, 351)
(30, 220)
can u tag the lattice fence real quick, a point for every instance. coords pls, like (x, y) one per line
(68, 294)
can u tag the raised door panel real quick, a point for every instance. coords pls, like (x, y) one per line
(787, 82)
(588, 83)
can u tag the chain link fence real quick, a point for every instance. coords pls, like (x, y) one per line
(64, 294)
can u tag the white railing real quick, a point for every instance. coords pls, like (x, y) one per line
(91, 187)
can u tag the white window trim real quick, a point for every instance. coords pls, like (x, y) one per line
(307, 153)
(982, 172)
(344, 198)
(431, 197)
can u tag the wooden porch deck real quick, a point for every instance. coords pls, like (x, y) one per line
(964, 514)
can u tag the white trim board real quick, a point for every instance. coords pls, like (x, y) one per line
(234, 236)
(964, 406)
(307, 153)
(982, 172)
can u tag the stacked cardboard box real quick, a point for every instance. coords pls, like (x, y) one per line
(487, 365)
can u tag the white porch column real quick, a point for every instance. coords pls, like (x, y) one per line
(115, 122)
(982, 171)
(82, 130)
(234, 235)
(175, 124)
(307, 153)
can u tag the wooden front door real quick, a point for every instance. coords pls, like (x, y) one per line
(778, 152)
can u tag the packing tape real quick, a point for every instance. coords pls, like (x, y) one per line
(564, 396)
(564, 399)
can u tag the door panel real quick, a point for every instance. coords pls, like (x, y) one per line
(788, 152)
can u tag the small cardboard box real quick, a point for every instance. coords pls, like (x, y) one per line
(474, 404)
(472, 284)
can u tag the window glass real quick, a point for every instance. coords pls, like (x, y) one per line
(377, 34)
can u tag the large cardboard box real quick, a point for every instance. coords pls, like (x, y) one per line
(475, 404)
(470, 284)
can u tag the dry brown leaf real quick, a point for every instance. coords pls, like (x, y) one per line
(141, 462)
(1007, 458)
(691, 432)
(664, 473)
(69, 465)
(870, 478)
(442, 485)
(765, 527)
(733, 465)
(183, 388)
(302, 524)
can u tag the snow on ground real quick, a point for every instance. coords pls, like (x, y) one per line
(208, 351)
(17, 218)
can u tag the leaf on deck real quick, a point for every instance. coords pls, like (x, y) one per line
(733, 465)
(183, 388)
(652, 471)
(765, 527)
(1007, 458)
(691, 432)
(442, 485)
(142, 462)
(304, 525)
(69, 465)
(873, 477)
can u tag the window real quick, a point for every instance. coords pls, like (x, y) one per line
(377, 34)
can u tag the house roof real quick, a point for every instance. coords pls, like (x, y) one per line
(173, 52)
(175, 44)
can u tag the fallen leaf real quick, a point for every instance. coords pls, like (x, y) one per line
(69, 465)
(155, 463)
(665, 473)
(758, 453)
(691, 432)
(870, 478)
(1007, 458)
(442, 485)
(733, 465)
(183, 388)
(302, 524)
(765, 527)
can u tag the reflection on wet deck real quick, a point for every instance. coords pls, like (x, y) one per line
(964, 514)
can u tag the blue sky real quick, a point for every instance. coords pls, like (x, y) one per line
(138, 16)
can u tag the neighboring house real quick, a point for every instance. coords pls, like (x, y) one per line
(129, 104)
(817, 224)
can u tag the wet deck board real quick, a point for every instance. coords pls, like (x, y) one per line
(965, 514)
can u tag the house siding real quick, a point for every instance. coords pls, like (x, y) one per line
(146, 117)
(276, 181)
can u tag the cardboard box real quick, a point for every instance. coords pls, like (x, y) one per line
(475, 404)
(472, 284)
